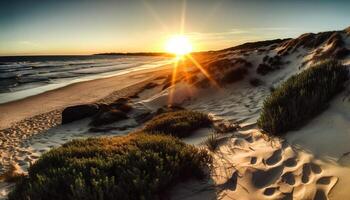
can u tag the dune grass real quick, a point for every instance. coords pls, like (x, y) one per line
(212, 142)
(302, 97)
(137, 166)
(178, 123)
(234, 75)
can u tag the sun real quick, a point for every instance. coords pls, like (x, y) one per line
(178, 45)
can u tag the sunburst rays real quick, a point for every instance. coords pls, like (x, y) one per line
(178, 59)
(202, 69)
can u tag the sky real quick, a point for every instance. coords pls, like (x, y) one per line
(69, 27)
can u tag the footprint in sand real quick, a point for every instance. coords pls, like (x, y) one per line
(288, 196)
(320, 195)
(240, 142)
(269, 191)
(306, 173)
(275, 157)
(250, 139)
(232, 182)
(324, 180)
(263, 178)
(253, 160)
(288, 178)
(290, 162)
(315, 168)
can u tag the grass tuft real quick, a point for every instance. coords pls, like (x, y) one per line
(302, 97)
(178, 123)
(212, 142)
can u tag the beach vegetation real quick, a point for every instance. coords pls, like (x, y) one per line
(302, 97)
(212, 142)
(136, 166)
(233, 75)
(178, 123)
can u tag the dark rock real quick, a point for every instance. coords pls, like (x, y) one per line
(78, 112)
(122, 104)
(108, 117)
(103, 107)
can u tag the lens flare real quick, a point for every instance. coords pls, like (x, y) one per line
(179, 45)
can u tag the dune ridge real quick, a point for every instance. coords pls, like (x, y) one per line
(248, 164)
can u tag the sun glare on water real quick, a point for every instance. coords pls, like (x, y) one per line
(178, 45)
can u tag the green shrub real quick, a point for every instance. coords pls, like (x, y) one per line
(234, 75)
(302, 97)
(178, 123)
(137, 166)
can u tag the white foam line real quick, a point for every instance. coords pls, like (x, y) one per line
(12, 96)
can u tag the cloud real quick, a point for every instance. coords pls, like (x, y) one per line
(234, 36)
(236, 32)
(27, 43)
(243, 34)
(214, 35)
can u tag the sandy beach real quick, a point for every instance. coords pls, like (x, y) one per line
(174, 100)
(19, 120)
(77, 93)
(310, 162)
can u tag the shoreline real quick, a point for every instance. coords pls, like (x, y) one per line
(23, 120)
(48, 102)
(8, 97)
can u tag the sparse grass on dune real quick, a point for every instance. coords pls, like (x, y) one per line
(302, 97)
(234, 75)
(212, 142)
(137, 166)
(178, 123)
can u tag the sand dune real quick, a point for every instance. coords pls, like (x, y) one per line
(311, 163)
(19, 142)
(264, 168)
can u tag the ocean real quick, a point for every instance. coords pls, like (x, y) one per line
(23, 76)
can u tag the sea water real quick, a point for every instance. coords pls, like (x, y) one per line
(23, 76)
